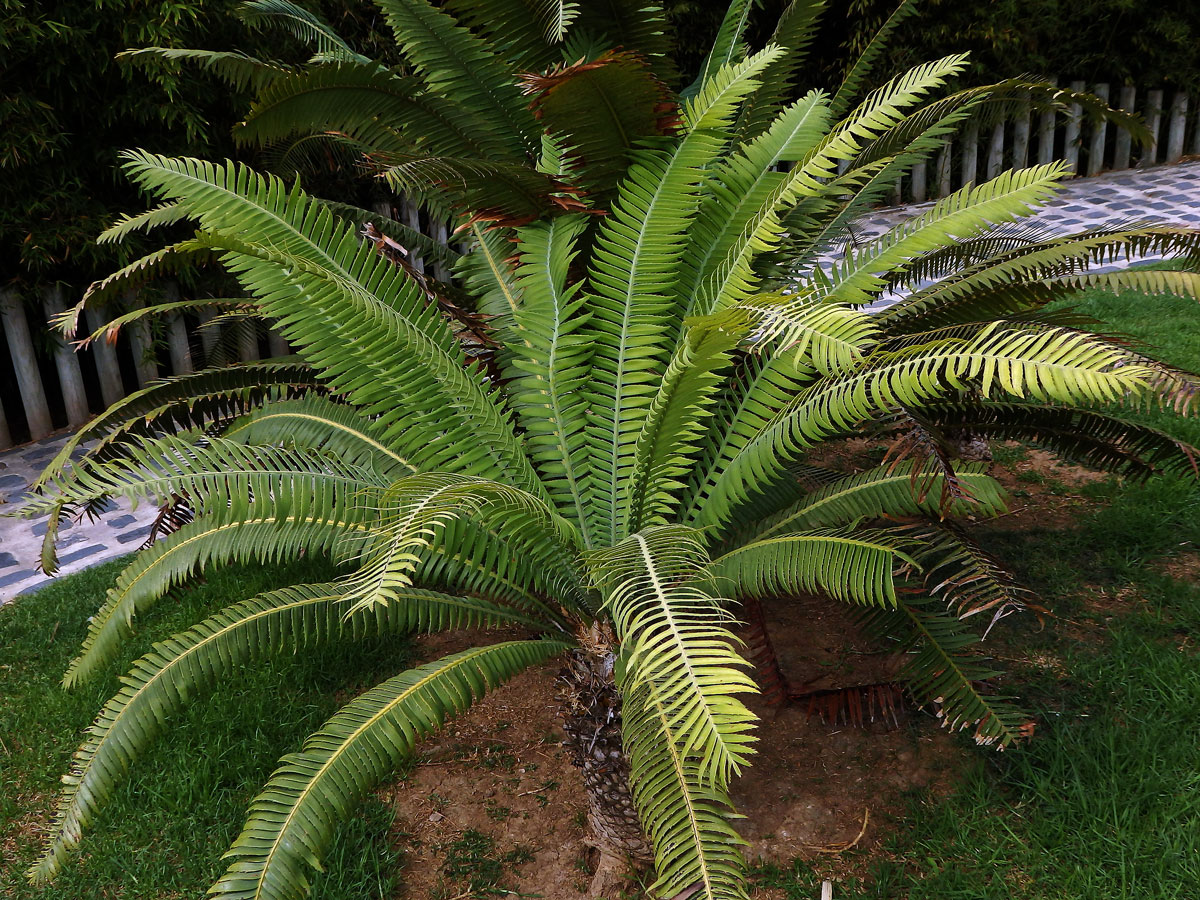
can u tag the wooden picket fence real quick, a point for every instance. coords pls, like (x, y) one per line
(1036, 138)
(45, 384)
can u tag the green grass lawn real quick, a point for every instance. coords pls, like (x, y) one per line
(165, 830)
(1103, 803)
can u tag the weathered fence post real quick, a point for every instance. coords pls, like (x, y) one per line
(1046, 134)
(248, 340)
(29, 379)
(1020, 151)
(1099, 136)
(6, 440)
(277, 344)
(1154, 102)
(1071, 135)
(177, 339)
(1128, 103)
(440, 235)
(1176, 127)
(970, 153)
(918, 182)
(104, 353)
(139, 342)
(943, 170)
(995, 160)
(208, 334)
(70, 378)
(412, 218)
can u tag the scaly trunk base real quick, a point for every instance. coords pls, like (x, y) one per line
(591, 713)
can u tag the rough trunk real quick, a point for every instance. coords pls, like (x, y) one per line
(591, 711)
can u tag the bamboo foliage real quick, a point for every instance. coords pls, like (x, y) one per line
(600, 418)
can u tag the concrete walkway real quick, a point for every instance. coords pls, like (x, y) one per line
(1166, 194)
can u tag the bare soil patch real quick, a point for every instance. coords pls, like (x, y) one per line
(499, 772)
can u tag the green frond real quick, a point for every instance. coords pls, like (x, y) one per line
(965, 213)
(728, 47)
(687, 820)
(855, 78)
(526, 33)
(292, 821)
(224, 478)
(240, 71)
(351, 312)
(170, 260)
(637, 252)
(504, 193)
(758, 391)
(1048, 364)
(414, 512)
(742, 184)
(549, 357)
(288, 620)
(301, 23)
(1083, 436)
(488, 274)
(110, 331)
(460, 67)
(159, 217)
(170, 562)
(671, 433)
(793, 33)
(829, 337)
(900, 489)
(366, 103)
(683, 726)
(940, 669)
(1006, 273)
(178, 403)
(850, 564)
(318, 423)
(676, 646)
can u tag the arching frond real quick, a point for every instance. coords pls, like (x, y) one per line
(238, 70)
(851, 565)
(176, 670)
(550, 357)
(292, 821)
(351, 312)
(458, 66)
(637, 251)
(941, 670)
(855, 78)
(318, 423)
(302, 23)
(1087, 437)
(1045, 364)
(683, 724)
(965, 213)
(415, 510)
(190, 550)
(902, 489)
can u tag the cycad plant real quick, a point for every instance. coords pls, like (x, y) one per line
(600, 429)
